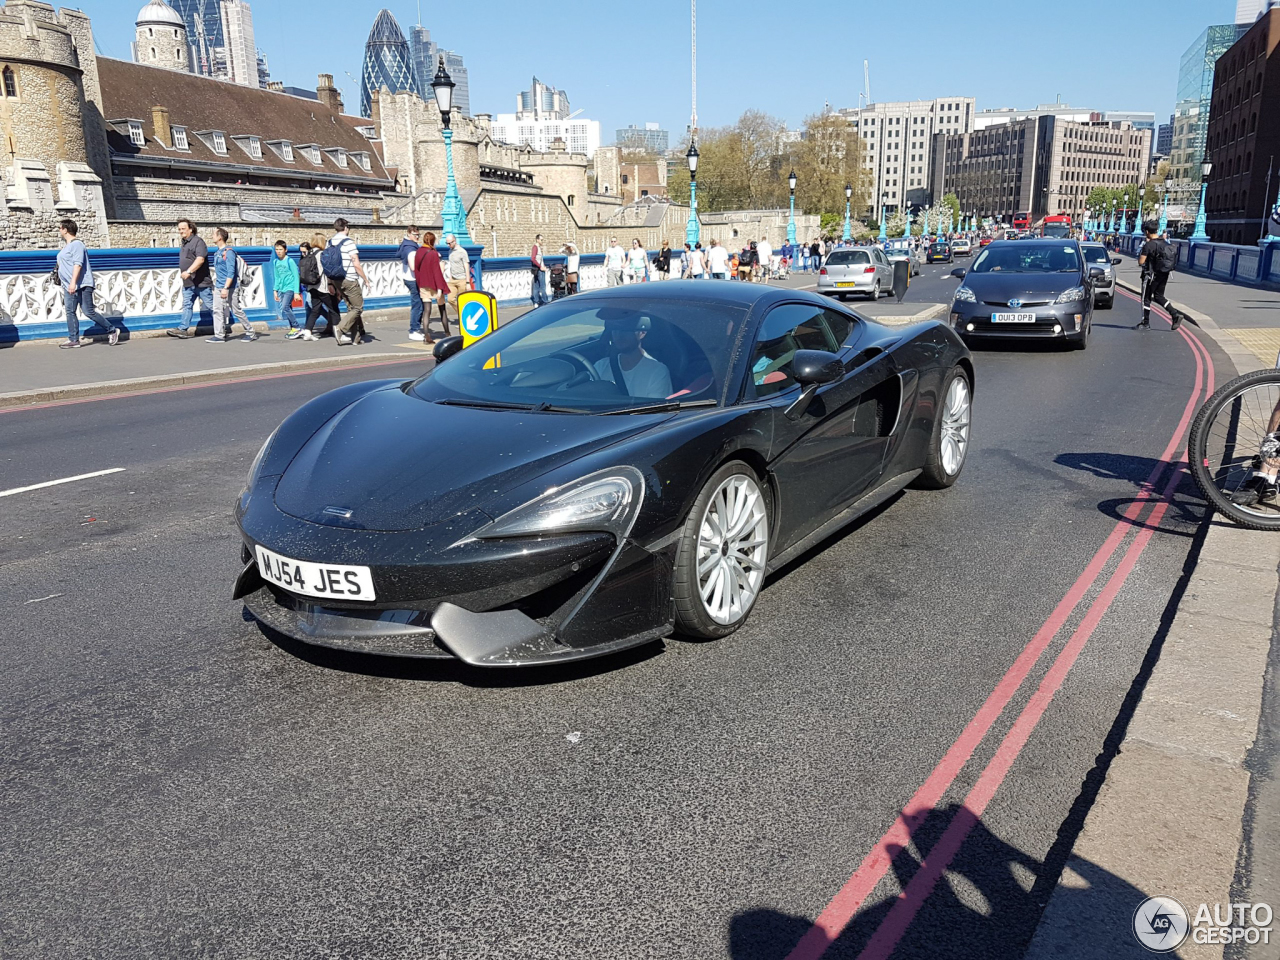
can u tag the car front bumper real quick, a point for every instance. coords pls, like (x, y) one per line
(1053, 321)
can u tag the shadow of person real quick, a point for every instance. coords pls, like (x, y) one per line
(986, 904)
(1110, 466)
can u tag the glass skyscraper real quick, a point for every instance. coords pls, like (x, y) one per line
(424, 56)
(204, 33)
(1191, 111)
(386, 61)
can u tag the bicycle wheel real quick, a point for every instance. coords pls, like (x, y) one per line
(1235, 435)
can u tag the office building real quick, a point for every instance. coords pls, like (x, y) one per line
(386, 61)
(898, 144)
(1164, 137)
(1191, 112)
(1243, 137)
(424, 59)
(241, 56)
(203, 19)
(1249, 11)
(577, 135)
(541, 102)
(1038, 165)
(649, 139)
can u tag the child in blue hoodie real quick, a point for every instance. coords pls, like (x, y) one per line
(284, 279)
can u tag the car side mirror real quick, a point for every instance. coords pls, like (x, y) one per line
(811, 369)
(446, 348)
(1115, 261)
(1097, 273)
(958, 273)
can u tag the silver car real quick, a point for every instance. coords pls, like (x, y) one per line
(863, 270)
(1104, 290)
(896, 250)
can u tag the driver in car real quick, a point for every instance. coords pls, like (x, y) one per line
(641, 374)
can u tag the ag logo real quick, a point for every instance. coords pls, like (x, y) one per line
(475, 319)
(1160, 924)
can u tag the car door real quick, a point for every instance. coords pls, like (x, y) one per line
(884, 269)
(833, 452)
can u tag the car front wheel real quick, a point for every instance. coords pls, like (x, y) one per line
(722, 554)
(949, 445)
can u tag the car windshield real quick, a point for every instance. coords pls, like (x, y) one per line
(1095, 254)
(1056, 230)
(569, 356)
(1028, 257)
(845, 257)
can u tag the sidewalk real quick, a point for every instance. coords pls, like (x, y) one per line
(1190, 804)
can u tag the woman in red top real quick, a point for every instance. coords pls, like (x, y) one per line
(432, 285)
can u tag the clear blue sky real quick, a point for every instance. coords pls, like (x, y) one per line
(622, 67)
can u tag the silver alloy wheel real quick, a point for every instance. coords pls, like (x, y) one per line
(955, 426)
(733, 546)
(875, 290)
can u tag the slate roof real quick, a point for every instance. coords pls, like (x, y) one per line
(130, 90)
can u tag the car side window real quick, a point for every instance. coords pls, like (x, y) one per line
(786, 329)
(839, 325)
(880, 258)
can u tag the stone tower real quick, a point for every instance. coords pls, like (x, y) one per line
(54, 154)
(161, 38)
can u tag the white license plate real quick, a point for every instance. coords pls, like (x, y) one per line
(1013, 318)
(846, 283)
(325, 580)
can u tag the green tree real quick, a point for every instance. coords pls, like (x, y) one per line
(827, 158)
(953, 202)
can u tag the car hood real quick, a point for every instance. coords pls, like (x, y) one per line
(397, 462)
(1035, 285)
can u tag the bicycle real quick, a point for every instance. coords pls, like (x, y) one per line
(1233, 449)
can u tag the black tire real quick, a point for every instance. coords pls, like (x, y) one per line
(1108, 303)
(875, 291)
(935, 475)
(692, 617)
(1197, 452)
(1083, 342)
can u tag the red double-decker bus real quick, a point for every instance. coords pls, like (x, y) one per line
(1022, 221)
(1056, 225)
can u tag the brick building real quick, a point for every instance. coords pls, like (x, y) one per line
(1243, 140)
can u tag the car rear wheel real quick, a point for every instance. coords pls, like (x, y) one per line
(875, 291)
(722, 554)
(949, 445)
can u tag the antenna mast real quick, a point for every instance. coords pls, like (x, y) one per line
(693, 36)
(866, 80)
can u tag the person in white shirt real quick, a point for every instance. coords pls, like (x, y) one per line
(697, 262)
(571, 268)
(614, 257)
(637, 263)
(718, 261)
(642, 374)
(765, 250)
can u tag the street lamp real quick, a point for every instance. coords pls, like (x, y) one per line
(791, 223)
(1088, 223)
(1164, 210)
(1137, 224)
(848, 196)
(693, 230)
(884, 200)
(1200, 236)
(453, 218)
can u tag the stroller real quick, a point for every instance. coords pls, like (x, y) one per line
(784, 269)
(558, 286)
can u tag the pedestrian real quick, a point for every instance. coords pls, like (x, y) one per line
(718, 261)
(614, 256)
(747, 262)
(432, 286)
(815, 255)
(573, 259)
(637, 263)
(764, 253)
(538, 265)
(75, 274)
(697, 262)
(733, 267)
(684, 261)
(228, 279)
(663, 261)
(341, 263)
(284, 283)
(457, 274)
(1157, 259)
(406, 253)
(197, 282)
(320, 290)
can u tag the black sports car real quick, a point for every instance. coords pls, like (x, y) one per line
(595, 474)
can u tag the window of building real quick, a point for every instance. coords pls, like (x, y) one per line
(252, 146)
(624, 178)
(219, 142)
(10, 82)
(286, 151)
(136, 136)
(180, 138)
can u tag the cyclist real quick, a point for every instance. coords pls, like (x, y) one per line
(1262, 485)
(1157, 260)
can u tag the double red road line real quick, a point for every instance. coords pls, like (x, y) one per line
(846, 903)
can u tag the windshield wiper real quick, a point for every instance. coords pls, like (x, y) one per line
(661, 407)
(490, 404)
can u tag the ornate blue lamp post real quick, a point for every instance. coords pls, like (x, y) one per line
(694, 229)
(791, 223)
(1137, 224)
(1164, 209)
(848, 231)
(1200, 236)
(453, 218)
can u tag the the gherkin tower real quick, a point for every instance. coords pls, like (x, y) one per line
(386, 61)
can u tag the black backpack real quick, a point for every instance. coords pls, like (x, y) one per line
(309, 271)
(1165, 259)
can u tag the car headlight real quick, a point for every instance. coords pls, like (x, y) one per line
(606, 500)
(257, 461)
(1067, 296)
(965, 295)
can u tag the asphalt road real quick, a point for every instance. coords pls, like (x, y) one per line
(174, 783)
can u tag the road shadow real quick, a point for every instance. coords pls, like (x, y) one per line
(994, 345)
(990, 901)
(1187, 506)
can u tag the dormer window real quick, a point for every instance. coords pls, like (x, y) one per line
(250, 145)
(311, 152)
(136, 136)
(368, 132)
(283, 149)
(362, 160)
(180, 138)
(219, 142)
(339, 156)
